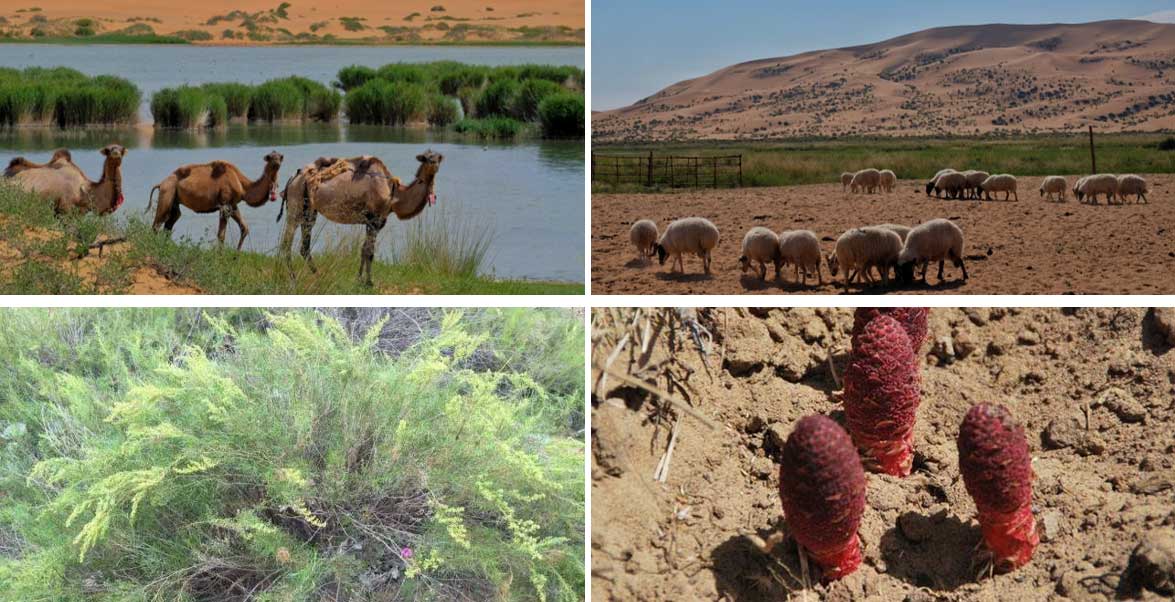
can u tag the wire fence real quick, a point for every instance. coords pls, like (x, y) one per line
(671, 171)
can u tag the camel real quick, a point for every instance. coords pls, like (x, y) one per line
(216, 186)
(64, 183)
(359, 190)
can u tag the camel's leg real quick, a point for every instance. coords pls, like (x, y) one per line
(308, 219)
(236, 215)
(163, 209)
(225, 210)
(374, 225)
(172, 217)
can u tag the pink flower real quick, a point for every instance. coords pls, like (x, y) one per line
(406, 553)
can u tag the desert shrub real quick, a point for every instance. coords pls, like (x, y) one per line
(353, 23)
(562, 115)
(83, 31)
(525, 105)
(193, 35)
(442, 110)
(497, 98)
(184, 454)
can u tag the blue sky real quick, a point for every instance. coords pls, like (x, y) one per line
(641, 46)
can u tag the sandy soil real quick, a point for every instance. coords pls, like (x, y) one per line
(1099, 490)
(962, 80)
(167, 16)
(1026, 247)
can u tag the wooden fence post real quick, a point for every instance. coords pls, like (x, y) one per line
(649, 175)
(740, 171)
(1092, 157)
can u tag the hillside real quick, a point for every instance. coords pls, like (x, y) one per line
(1117, 75)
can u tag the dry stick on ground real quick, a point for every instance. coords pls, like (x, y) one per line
(101, 244)
(661, 474)
(675, 402)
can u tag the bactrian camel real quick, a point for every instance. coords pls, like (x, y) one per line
(64, 183)
(218, 186)
(359, 190)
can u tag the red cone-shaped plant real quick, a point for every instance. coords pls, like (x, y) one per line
(822, 486)
(881, 395)
(997, 470)
(912, 319)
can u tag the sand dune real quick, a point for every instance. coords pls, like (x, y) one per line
(404, 21)
(1118, 75)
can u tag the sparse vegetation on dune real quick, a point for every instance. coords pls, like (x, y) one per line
(297, 455)
(816, 161)
(430, 255)
(65, 97)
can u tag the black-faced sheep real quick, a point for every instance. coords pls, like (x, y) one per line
(868, 180)
(860, 249)
(1092, 186)
(801, 248)
(1001, 182)
(644, 237)
(696, 235)
(935, 240)
(760, 245)
(1054, 185)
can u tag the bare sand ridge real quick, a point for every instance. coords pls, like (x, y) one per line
(1119, 75)
(1091, 387)
(406, 21)
(1026, 247)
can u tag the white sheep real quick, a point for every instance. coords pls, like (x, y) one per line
(696, 235)
(1001, 182)
(1091, 186)
(868, 180)
(846, 178)
(953, 184)
(975, 179)
(644, 237)
(1077, 187)
(760, 245)
(860, 249)
(889, 180)
(930, 184)
(801, 248)
(935, 240)
(1053, 185)
(900, 230)
(1132, 184)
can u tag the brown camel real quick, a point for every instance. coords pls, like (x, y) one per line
(64, 183)
(359, 190)
(216, 186)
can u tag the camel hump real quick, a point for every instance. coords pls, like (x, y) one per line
(183, 172)
(219, 168)
(18, 162)
(324, 162)
(61, 154)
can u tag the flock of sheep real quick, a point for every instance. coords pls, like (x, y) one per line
(976, 184)
(858, 252)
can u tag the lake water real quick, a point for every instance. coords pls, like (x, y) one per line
(153, 67)
(528, 195)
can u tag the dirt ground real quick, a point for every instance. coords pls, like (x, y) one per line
(1092, 388)
(1026, 247)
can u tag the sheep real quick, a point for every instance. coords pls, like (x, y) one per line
(1077, 187)
(801, 249)
(975, 179)
(868, 180)
(937, 239)
(643, 236)
(900, 230)
(1053, 185)
(846, 178)
(930, 184)
(1132, 184)
(696, 235)
(889, 180)
(760, 245)
(860, 249)
(1001, 182)
(1091, 186)
(953, 184)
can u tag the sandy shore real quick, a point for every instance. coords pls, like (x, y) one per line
(1026, 247)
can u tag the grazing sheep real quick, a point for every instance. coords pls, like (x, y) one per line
(953, 184)
(801, 249)
(644, 237)
(846, 178)
(1001, 182)
(975, 179)
(930, 185)
(935, 240)
(1091, 186)
(1132, 184)
(860, 249)
(889, 180)
(696, 235)
(760, 245)
(868, 180)
(1053, 185)
(900, 230)
(1077, 187)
